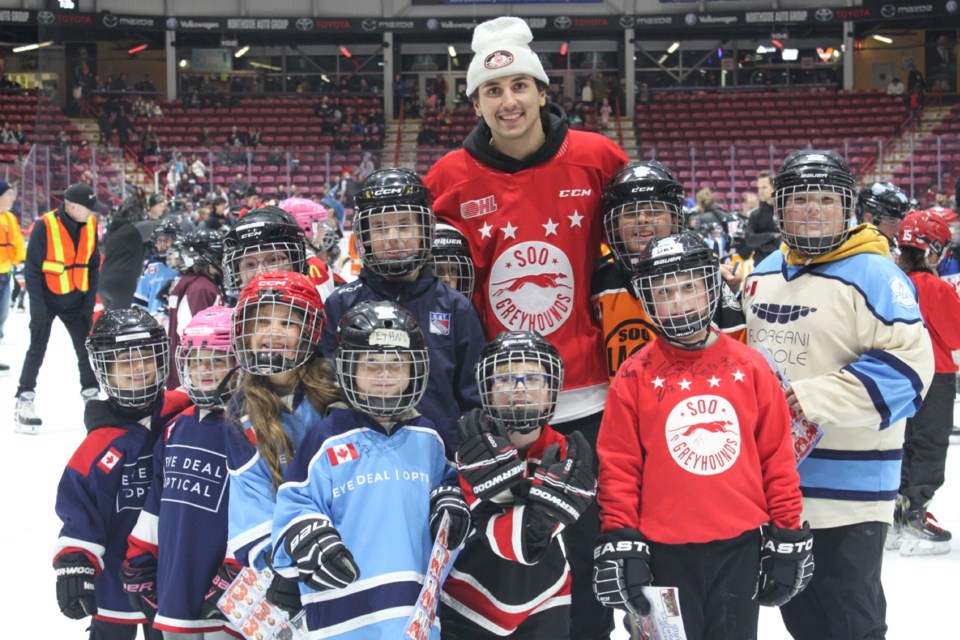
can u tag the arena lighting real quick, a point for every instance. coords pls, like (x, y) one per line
(563, 49)
(790, 55)
(137, 49)
(31, 47)
(883, 39)
(777, 44)
(346, 52)
(719, 52)
(673, 47)
(264, 66)
(662, 59)
(450, 49)
(241, 52)
(183, 63)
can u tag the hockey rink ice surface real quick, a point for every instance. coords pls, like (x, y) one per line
(921, 591)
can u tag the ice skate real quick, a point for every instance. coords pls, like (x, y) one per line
(895, 533)
(921, 535)
(25, 418)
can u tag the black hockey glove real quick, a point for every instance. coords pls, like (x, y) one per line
(140, 584)
(487, 460)
(323, 560)
(75, 585)
(786, 564)
(563, 489)
(450, 500)
(621, 567)
(226, 574)
(285, 594)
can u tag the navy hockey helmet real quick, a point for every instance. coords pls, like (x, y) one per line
(266, 239)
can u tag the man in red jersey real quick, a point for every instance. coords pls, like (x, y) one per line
(525, 192)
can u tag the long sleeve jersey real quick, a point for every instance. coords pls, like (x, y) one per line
(192, 293)
(451, 330)
(940, 308)
(252, 496)
(534, 230)
(846, 330)
(504, 574)
(695, 446)
(103, 489)
(183, 525)
(156, 277)
(374, 488)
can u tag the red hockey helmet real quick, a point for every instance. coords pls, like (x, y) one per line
(924, 230)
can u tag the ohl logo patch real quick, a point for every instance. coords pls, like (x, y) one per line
(703, 435)
(531, 288)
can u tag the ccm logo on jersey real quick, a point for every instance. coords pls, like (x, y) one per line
(478, 207)
(575, 193)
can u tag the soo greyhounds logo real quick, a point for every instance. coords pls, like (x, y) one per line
(703, 435)
(531, 288)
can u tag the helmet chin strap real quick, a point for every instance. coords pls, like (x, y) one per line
(699, 344)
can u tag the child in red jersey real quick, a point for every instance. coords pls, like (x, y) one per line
(695, 457)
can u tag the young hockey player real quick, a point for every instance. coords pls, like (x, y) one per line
(451, 259)
(883, 205)
(374, 464)
(393, 226)
(922, 238)
(697, 419)
(323, 235)
(643, 201)
(158, 275)
(285, 390)
(268, 239)
(524, 483)
(188, 493)
(201, 252)
(105, 483)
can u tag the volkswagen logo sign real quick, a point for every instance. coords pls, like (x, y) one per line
(172, 23)
(690, 19)
(46, 17)
(562, 22)
(888, 10)
(304, 24)
(369, 24)
(627, 22)
(110, 20)
(823, 14)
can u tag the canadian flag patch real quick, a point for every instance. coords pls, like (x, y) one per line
(109, 460)
(342, 453)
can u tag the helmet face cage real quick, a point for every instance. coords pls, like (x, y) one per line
(630, 226)
(926, 231)
(394, 240)
(456, 271)
(814, 219)
(680, 303)
(383, 382)
(519, 387)
(326, 237)
(201, 248)
(881, 200)
(202, 369)
(243, 263)
(133, 370)
(165, 231)
(273, 334)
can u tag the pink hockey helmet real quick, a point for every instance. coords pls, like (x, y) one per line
(205, 359)
(209, 329)
(307, 212)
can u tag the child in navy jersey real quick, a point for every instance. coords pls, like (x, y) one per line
(697, 419)
(188, 494)
(105, 483)
(368, 486)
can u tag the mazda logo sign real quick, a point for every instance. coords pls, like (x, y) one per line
(888, 10)
(368, 25)
(110, 20)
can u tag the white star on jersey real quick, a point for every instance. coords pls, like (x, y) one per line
(714, 381)
(685, 384)
(550, 227)
(485, 230)
(738, 375)
(509, 231)
(575, 219)
(658, 382)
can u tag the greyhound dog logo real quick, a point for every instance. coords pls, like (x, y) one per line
(703, 434)
(531, 287)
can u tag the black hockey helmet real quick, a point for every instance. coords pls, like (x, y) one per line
(387, 329)
(451, 254)
(200, 248)
(383, 199)
(668, 264)
(509, 360)
(882, 200)
(636, 184)
(166, 228)
(811, 172)
(130, 356)
(263, 230)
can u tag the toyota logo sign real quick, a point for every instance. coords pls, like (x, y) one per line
(46, 17)
(304, 24)
(562, 22)
(823, 15)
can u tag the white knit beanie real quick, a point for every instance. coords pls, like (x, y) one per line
(502, 47)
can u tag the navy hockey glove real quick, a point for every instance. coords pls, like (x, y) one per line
(487, 461)
(323, 560)
(450, 500)
(285, 594)
(225, 576)
(621, 567)
(75, 585)
(563, 489)
(786, 564)
(140, 584)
